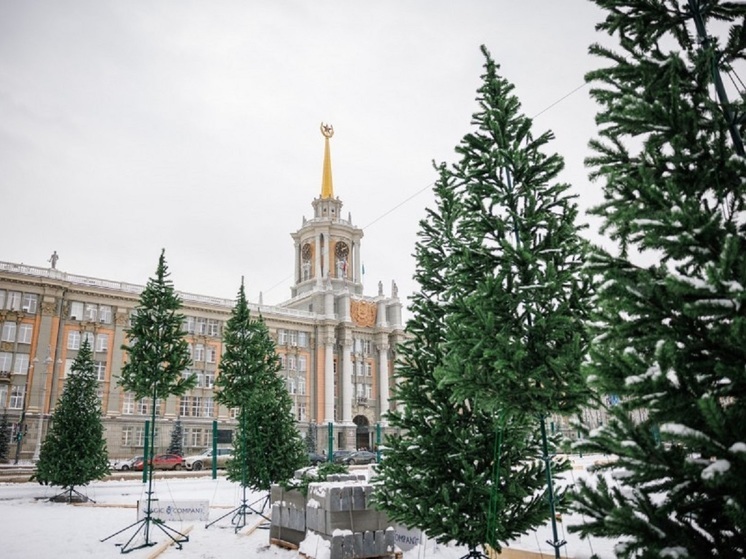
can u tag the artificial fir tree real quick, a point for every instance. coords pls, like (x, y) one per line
(157, 356)
(176, 446)
(439, 472)
(515, 335)
(74, 450)
(4, 437)
(267, 447)
(670, 343)
(310, 438)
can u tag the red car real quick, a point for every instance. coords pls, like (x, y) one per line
(162, 462)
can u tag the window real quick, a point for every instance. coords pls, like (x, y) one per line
(199, 352)
(135, 435)
(6, 360)
(291, 363)
(91, 312)
(9, 331)
(302, 386)
(201, 326)
(104, 314)
(29, 303)
(13, 301)
(68, 368)
(368, 391)
(102, 342)
(25, 333)
(188, 325)
(209, 379)
(2, 298)
(100, 368)
(291, 385)
(76, 310)
(73, 339)
(282, 337)
(212, 354)
(128, 404)
(20, 365)
(301, 408)
(368, 370)
(213, 327)
(208, 408)
(303, 339)
(234, 412)
(302, 363)
(367, 347)
(16, 397)
(190, 406)
(3, 396)
(293, 337)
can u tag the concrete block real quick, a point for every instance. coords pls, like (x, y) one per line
(369, 544)
(345, 498)
(333, 499)
(358, 497)
(357, 544)
(286, 534)
(389, 536)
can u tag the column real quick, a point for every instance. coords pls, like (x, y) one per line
(329, 379)
(347, 382)
(383, 380)
(317, 260)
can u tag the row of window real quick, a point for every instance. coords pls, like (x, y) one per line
(202, 326)
(203, 353)
(293, 338)
(16, 397)
(196, 406)
(17, 363)
(15, 332)
(18, 301)
(205, 379)
(90, 312)
(97, 342)
(294, 363)
(99, 367)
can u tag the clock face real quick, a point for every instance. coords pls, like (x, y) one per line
(342, 250)
(306, 252)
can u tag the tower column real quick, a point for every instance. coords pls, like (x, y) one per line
(347, 381)
(383, 379)
(317, 259)
(329, 379)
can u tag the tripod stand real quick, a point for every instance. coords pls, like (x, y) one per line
(242, 511)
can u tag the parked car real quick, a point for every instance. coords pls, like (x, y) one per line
(162, 462)
(339, 456)
(203, 460)
(360, 457)
(314, 458)
(127, 464)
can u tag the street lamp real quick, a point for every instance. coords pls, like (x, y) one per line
(48, 362)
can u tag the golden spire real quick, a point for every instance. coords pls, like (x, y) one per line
(327, 189)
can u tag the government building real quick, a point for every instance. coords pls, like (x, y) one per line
(337, 346)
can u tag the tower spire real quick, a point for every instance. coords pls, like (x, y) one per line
(327, 188)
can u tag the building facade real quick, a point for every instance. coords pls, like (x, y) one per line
(337, 346)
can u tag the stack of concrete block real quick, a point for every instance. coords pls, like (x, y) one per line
(340, 513)
(288, 519)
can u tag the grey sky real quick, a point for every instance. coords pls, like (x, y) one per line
(128, 126)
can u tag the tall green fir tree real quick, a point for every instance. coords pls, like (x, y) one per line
(460, 473)
(5, 431)
(669, 325)
(157, 350)
(267, 445)
(74, 450)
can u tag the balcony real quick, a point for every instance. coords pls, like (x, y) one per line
(4, 376)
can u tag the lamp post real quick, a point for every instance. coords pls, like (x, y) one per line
(21, 430)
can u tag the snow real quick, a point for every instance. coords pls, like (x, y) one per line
(718, 467)
(738, 447)
(41, 529)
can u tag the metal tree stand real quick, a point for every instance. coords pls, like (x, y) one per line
(244, 509)
(60, 497)
(474, 554)
(149, 520)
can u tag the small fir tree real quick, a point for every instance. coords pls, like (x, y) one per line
(267, 445)
(177, 439)
(438, 474)
(74, 451)
(670, 341)
(5, 432)
(310, 438)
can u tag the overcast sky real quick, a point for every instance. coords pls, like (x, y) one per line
(131, 126)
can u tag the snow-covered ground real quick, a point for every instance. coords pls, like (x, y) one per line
(31, 527)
